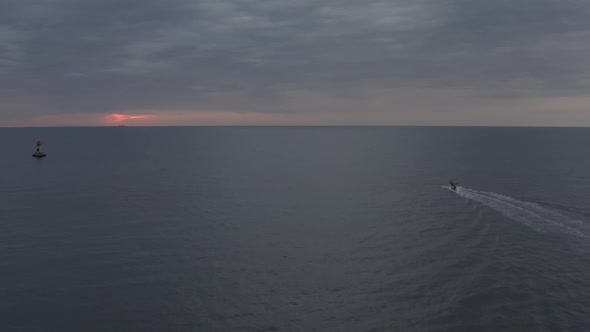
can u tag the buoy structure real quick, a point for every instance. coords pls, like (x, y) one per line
(38, 154)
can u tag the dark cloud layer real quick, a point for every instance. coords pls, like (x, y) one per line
(331, 61)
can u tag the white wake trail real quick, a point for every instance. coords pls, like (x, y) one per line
(530, 214)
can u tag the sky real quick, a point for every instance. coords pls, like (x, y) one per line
(294, 62)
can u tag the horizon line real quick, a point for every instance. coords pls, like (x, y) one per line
(257, 126)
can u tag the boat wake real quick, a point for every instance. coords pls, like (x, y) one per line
(530, 214)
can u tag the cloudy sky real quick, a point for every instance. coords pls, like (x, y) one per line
(294, 62)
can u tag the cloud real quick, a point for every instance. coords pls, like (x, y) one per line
(338, 61)
(10, 47)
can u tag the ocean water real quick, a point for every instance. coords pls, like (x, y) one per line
(295, 229)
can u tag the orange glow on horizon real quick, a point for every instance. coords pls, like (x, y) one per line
(162, 117)
(118, 118)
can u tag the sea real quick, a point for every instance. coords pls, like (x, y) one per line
(295, 229)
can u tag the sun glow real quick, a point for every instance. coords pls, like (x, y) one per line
(119, 118)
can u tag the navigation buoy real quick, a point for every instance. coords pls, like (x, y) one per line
(38, 154)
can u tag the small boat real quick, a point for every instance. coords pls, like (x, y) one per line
(453, 185)
(38, 154)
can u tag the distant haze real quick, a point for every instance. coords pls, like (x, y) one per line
(294, 62)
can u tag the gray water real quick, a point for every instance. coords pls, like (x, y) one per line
(295, 229)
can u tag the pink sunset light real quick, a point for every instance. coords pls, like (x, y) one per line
(119, 118)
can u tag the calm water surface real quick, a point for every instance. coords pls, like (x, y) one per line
(295, 229)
